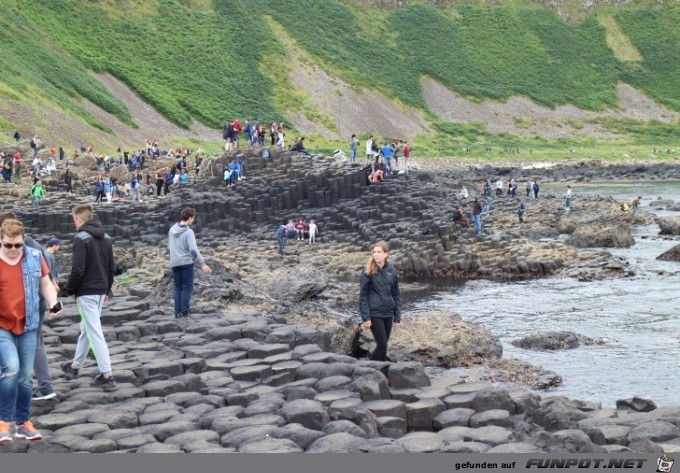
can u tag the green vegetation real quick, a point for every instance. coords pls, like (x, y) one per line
(656, 35)
(213, 60)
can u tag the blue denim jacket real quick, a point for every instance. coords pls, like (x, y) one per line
(30, 267)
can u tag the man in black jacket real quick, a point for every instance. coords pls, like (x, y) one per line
(90, 281)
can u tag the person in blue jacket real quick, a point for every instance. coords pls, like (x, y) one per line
(379, 298)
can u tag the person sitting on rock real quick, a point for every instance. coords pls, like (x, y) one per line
(458, 217)
(299, 146)
(377, 171)
(300, 227)
(183, 178)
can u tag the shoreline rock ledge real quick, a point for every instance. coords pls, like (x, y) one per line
(220, 381)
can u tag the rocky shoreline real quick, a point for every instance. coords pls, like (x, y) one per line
(265, 361)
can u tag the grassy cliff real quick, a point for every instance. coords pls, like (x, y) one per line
(207, 60)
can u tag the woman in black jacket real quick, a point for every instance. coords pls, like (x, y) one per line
(379, 299)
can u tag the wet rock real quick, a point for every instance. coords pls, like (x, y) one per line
(572, 441)
(515, 447)
(602, 236)
(491, 435)
(670, 255)
(636, 404)
(557, 340)
(668, 225)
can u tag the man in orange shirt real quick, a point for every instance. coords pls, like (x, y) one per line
(25, 268)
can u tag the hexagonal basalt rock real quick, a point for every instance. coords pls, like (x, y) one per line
(407, 375)
(421, 442)
(498, 417)
(387, 408)
(308, 413)
(337, 443)
(271, 445)
(453, 417)
(421, 414)
(491, 435)
(392, 427)
(251, 373)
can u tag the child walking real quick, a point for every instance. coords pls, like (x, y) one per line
(37, 192)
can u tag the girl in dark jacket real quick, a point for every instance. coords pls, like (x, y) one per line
(379, 299)
(68, 180)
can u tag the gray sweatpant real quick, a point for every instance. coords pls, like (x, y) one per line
(41, 368)
(91, 334)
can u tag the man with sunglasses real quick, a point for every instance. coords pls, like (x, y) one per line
(25, 268)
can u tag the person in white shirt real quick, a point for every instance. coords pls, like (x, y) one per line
(567, 199)
(313, 230)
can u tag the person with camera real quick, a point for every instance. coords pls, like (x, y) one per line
(24, 276)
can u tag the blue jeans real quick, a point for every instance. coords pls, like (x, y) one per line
(17, 355)
(184, 286)
(353, 156)
(281, 244)
(36, 202)
(478, 223)
(388, 167)
(567, 203)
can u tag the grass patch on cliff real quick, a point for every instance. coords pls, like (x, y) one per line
(656, 35)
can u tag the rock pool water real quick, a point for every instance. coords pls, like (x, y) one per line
(639, 315)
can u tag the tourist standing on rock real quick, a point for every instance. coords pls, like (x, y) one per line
(37, 192)
(404, 161)
(520, 212)
(99, 189)
(499, 187)
(477, 215)
(370, 153)
(536, 189)
(90, 282)
(353, 148)
(45, 389)
(567, 200)
(68, 180)
(635, 203)
(183, 254)
(17, 137)
(24, 276)
(379, 299)
(17, 166)
(387, 152)
(313, 231)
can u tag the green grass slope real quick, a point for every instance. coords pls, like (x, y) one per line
(206, 61)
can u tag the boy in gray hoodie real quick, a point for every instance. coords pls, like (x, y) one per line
(183, 254)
